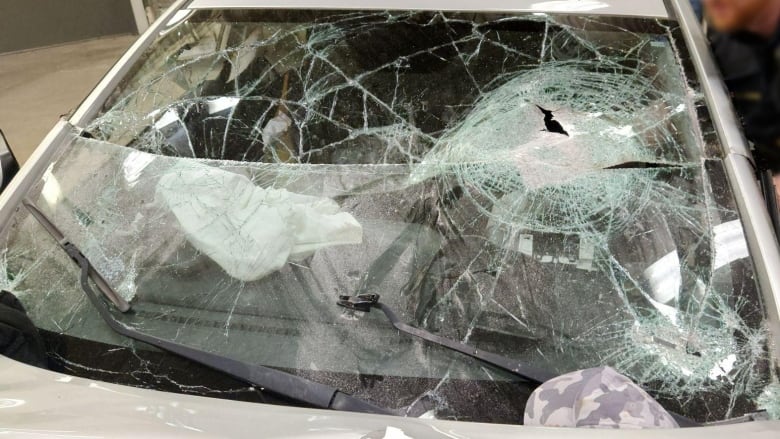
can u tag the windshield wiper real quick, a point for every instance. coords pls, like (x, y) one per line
(282, 383)
(643, 165)
(120, 303)
(364, 302)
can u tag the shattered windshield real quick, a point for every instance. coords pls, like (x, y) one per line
(547, 188)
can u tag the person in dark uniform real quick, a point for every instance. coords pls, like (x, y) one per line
(696, 5)
(746, 45)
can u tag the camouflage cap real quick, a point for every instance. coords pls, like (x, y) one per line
(595, 398)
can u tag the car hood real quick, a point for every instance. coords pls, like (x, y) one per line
(43, 403)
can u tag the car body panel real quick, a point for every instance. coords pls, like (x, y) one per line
(31, 399)
(50, 404)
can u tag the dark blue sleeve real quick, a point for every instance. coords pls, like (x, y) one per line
(697, 8)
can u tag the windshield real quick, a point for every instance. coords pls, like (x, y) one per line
(547, 188)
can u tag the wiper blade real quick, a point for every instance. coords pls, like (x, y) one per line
(120, 303)
(364, 302)
(643, 165)
(282, 383)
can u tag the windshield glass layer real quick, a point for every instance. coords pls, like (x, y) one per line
(546, 188)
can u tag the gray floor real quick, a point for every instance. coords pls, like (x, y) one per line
(38, 86)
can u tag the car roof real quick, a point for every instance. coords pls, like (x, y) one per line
(644, 8)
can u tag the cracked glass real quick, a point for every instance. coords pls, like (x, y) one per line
(543, 187)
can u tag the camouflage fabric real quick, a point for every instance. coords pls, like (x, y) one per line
(595, 398)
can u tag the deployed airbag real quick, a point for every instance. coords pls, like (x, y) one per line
(248, 230)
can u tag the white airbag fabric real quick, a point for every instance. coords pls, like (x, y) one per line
(250, 231)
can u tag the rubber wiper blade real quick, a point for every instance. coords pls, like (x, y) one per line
(104, 287)
(282, 383)
(364, 302)
(643, 165)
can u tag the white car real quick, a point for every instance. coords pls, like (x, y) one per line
(392, 220)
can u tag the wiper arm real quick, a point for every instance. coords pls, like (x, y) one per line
(282, 383)
(120, 303)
